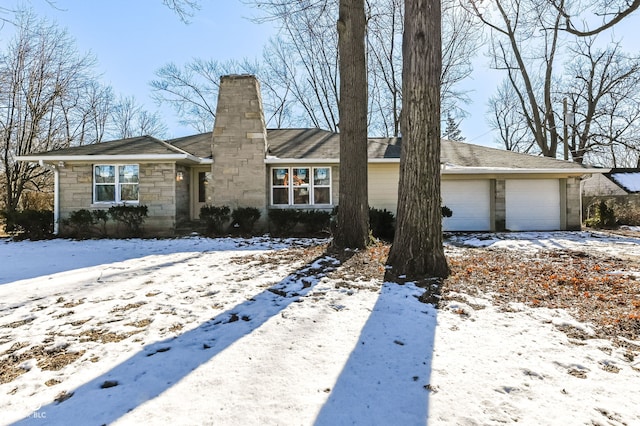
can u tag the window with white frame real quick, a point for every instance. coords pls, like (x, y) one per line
(115, 183)
(300, 186)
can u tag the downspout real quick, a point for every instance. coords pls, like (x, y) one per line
(56, 195)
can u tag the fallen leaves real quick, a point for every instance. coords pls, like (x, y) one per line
(594, 289)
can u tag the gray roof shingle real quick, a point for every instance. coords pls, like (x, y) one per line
(317, 144)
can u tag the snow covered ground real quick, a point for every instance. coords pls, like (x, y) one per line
(230, 331)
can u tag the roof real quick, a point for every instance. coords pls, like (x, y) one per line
(627, 179)
(302, 144)
(307, 145)
(136, 148)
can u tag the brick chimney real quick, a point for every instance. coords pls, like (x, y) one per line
(239, 145)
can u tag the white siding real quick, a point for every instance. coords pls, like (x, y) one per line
(532, 204)
(470, 202)
(383, 186)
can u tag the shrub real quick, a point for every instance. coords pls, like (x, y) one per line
(603, 216)
(244, 218)
(85, 223)
(28, 224)
(131, 216)
(101, 217)
(283, 220)
(315, 221)
(381, 223)
(215, 218)
(81, 221)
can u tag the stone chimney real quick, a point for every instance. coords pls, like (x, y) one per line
(239, 145)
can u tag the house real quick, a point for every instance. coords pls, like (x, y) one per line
(242, 164)
(618, 187)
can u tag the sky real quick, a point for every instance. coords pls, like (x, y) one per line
(241, 331)
(133, 39)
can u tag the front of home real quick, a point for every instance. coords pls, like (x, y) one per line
(243, 164)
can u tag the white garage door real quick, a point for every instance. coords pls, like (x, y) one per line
(470, 202)
(532, 204)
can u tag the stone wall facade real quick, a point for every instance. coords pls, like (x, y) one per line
(157, 191)
(239, 173)
(573, 204)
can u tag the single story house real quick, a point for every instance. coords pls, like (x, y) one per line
(619, 188)
(243, 164)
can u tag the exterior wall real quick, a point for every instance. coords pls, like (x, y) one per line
(383, 185)
(239, 145)
(76, 188)
(157, 191)
(573, 204)
(599, 184)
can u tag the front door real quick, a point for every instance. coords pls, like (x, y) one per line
(200, 191)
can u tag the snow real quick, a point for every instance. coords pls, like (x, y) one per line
(630, 181)
(229, 339)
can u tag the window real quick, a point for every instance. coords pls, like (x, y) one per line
(301, 186)
(115, 183)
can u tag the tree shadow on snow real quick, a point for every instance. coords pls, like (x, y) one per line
(158, 366)
(386, 379)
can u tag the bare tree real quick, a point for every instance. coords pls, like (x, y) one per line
(600, 85)
(606, 13)
(42, 78)
(305, 56)
(183, 8)
(417, 248)
(304, 59)
(192, 90)
(130, 119)
(528, 56)
(604, 103)
(507, 118)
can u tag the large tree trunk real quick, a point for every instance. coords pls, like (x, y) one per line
(417, 248)
(353, 214)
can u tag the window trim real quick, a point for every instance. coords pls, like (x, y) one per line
(311, 186)
(117, 185)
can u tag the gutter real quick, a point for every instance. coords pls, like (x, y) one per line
(447, 169)
(111, 158)
(56, 195)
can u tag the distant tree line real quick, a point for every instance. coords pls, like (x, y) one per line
(51, 97)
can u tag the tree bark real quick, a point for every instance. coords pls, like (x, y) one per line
(353, 212)
(417, 249)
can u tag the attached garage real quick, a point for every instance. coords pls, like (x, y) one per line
(470, 202)
(532, 204)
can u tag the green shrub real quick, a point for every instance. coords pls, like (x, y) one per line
(603, 216)
(131, 216)
(101, 217)
(86, 223)
(215, 218)
(315, 221)
(283, 221)
(244, 218)
(81, 222)
(28, 224)
(381, 223)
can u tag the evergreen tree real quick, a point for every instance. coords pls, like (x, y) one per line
(452, 132)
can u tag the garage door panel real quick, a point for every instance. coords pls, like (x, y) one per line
(532, 204)
(470, 202)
